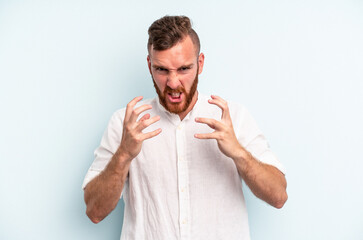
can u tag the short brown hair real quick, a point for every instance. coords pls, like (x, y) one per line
(167, 31)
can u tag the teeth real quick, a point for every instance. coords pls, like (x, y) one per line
(175, 94)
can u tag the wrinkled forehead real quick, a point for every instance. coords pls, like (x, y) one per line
(174, 58)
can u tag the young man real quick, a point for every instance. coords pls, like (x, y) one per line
(179, 159)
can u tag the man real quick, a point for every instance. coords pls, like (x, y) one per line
(179, 159)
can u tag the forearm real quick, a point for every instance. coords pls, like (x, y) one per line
(265, 181)
(103, 192)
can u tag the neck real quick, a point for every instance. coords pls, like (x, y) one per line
(182, 115)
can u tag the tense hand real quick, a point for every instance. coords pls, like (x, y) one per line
(224, 133)
(132, 135)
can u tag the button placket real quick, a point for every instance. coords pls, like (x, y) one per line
(183, 183)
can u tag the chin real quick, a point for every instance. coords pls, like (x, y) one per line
(176, 108)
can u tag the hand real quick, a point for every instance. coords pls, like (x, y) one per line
(224, 133)
(132, 135)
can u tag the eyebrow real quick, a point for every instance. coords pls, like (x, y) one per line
(183, 66)
(187, 66)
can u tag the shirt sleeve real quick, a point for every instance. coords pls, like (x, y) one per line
(250, 136)
(109, 144)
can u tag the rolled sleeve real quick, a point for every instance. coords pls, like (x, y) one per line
(91, 174)
(251, 138)
(260, 149)
(109, 144)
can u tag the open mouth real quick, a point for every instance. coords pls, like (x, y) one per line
(175, 97)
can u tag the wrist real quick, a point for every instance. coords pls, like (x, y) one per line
(241, 154)
(120, 163)
(242, 157)
(123, 156)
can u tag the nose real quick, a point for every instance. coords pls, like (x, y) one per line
(173, 80)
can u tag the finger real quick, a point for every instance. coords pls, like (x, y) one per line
(146, 116)
(219, 98)
(144, 124)
(212, 123)
(137, 111)
(222, 104)
(212, 135)
(130, 106)
(151, 134)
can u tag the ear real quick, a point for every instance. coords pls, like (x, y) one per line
(149, 63)
(200, 62)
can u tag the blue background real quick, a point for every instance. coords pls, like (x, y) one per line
(66, 66)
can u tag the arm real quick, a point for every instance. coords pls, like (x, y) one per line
(265, 181)
(103, 192)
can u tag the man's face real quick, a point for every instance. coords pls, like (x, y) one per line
(175, 75)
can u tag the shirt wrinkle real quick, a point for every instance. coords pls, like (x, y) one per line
(181, 187)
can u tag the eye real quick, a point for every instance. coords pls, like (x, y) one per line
(159, 69)
(184, 69)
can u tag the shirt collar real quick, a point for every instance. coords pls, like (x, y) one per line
(174, 118)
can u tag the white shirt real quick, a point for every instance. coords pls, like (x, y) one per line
(181, 187)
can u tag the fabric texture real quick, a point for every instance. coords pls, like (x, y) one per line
(181, 187)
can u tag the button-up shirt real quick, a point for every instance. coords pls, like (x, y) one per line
(181, 187)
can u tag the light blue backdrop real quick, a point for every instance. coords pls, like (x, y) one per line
(66, 66)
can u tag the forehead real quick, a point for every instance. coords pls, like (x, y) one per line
(181, 54)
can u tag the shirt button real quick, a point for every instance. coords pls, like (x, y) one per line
(184, 221)
(179, 127)
(182, 189)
